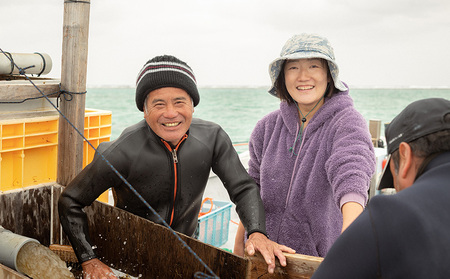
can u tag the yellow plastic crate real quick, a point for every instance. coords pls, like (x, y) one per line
(97, 129)
(29, 147)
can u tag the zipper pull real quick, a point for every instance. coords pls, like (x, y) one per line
(174, 156)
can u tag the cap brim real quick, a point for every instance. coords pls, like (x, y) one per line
(387, 180)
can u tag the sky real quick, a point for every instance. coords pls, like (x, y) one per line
(384, 43)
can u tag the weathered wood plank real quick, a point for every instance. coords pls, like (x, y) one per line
(125, 241)
(57, 235)
(33, 116)
(8, 273)
(26, 212)
(18, 90)
(138, 246)
(298, 267)
(135, 245)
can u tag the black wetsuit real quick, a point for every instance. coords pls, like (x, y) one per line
(172, 182)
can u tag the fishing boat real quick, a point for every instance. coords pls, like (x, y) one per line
(41, 151)
(131, 244)
(136, 246)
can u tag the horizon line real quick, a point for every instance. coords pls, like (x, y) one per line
(268, 86)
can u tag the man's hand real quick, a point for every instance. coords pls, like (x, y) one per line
(95, 269)
(268, 249)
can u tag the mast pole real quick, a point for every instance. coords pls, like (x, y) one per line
(73, 79)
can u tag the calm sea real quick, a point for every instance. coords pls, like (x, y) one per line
(238, 109)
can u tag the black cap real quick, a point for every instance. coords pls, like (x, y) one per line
(165, 71)
(417, 120)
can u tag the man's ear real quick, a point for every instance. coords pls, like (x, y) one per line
(145, 109)
(405, 160)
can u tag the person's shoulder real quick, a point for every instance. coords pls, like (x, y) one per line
(207, 132)
(202, 124)
(266, 126)
(130, 132)
(204, 128)
(410, 213)
(341, 108)
(390, 208)
(136, 128)
(269, 118)
(272, 115)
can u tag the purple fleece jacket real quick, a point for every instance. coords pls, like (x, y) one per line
(303, 194)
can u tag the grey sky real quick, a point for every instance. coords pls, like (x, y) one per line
(381, 43)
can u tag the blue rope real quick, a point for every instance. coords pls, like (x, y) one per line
(197, 274)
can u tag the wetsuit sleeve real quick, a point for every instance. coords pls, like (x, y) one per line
(243, 191)
(354, 254)
(82, 191)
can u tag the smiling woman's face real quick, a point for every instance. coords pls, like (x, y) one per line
(306, 80)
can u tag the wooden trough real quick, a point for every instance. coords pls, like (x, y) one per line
(132, 244)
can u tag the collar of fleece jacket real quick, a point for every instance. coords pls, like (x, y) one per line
(337, 102)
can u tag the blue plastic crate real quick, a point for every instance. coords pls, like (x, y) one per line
(213, 226)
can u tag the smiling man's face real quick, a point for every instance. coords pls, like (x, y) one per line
(168, 111)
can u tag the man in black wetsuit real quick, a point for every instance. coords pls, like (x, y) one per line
(406, 235)
(167, 158)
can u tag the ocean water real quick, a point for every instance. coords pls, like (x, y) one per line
(238, 109)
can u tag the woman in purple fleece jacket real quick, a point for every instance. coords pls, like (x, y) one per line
(313, 158)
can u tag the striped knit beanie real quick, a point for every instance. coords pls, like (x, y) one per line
(165, 71)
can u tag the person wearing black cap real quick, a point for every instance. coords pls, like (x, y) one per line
(167, 158)
(406, 235)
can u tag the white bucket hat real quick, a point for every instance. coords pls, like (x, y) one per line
(306, 46)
